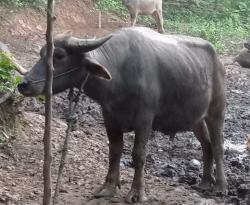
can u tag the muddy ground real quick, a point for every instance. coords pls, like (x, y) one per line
(170, 171)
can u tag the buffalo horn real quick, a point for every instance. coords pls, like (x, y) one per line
(86, 45)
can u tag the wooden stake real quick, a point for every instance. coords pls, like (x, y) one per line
(48, 105)
(100, 20)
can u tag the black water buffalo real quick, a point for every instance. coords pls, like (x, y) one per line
(243, 57)
(144, 81)
(247, 45)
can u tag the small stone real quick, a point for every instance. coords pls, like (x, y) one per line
(168, 172)
(125, 163)
(36, 192)
(39, 27)
(95, 113)
(182, 172)
(62, 190)
(189, 178)
(80, 182)
(236, 163)
(81, 168)
(243, 190)
(195, 164)
(87, 132)
(237, 91)
(150, 158)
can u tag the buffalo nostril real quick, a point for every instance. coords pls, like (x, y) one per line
(22, 85)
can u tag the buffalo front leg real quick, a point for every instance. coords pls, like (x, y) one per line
(115, 136)
(137, 192)
(133, 19)
(201, 132)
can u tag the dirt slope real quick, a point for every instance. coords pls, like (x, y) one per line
(169, 174)
(24, 29)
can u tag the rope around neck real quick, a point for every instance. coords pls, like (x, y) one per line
(57, 76)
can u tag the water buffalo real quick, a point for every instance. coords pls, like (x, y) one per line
(144, 81)
(145, 7)
(243, 58)
(247, 45)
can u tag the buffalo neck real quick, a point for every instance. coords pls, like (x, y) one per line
(112, 58)
(95, 89)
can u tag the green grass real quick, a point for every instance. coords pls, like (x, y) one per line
(225, 23)
(8, 81)
(25, 3)
(225, 37)
(114, 6)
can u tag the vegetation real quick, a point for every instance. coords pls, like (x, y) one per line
(225, 23)
(24, 3)
(7, 78)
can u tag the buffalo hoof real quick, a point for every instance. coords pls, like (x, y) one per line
(136, 196)
(106, 190)
(161, 31)
(206, 184)
(220, 189)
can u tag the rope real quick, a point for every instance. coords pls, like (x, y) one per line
(57, 76)
(73, 99)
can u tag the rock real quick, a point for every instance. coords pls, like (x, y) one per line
(168, 173)
(150, 158)
(190, 178)
(247, 45)
(194, 164)
(181, 172)
(125, 163)
(4, 47)
(243, 190)
(169, 170)
(63, 190)
(237, 91)
(236, 163)
(243, 58)
(245, 114)
(95, 113)
(81, 167)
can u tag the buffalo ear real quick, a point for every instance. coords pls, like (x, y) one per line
(96, 69)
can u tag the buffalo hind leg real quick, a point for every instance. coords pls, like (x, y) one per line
(115, 136)
(215, 123)
(142, 132)
(201, 132)
(159, 20)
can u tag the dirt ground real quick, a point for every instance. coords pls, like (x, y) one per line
(170, 171)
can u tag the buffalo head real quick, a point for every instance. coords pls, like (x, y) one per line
(72, 61)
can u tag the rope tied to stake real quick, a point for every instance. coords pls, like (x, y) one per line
(71, 118)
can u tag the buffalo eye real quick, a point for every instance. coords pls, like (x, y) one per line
(59, 54)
